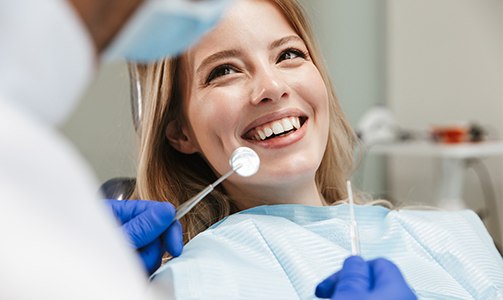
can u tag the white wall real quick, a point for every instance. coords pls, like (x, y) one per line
(445, 63)
(102, 127)
(351, 35)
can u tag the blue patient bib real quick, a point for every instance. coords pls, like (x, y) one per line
(284, 251)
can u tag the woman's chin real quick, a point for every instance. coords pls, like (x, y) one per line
(287, 175)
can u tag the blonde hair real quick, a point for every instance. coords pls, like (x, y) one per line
(165, 174)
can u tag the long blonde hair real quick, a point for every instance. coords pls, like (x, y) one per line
(164, 174)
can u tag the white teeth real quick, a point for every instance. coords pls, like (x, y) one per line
(268, 131)
(295, 121)
(261, 134)
(277, 128)
(287, 125)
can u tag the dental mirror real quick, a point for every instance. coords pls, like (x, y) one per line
(244, 161)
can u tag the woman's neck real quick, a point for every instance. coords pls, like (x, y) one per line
(292, 193)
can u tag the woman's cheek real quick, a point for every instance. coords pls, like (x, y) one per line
(213, 119)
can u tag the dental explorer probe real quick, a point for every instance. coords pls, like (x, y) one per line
(353, 227)
(244, 161)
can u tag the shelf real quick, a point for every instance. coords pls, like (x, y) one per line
(452, 160)
(459, 151)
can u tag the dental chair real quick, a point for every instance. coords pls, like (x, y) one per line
(119, 188)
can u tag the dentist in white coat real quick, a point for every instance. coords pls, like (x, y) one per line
(57, 239)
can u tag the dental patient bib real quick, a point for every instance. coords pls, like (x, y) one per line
(284, 251)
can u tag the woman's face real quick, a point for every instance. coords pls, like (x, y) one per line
(252, 83)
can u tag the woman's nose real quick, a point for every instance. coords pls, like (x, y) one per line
(268, 86)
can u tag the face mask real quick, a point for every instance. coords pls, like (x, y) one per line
(162, 28)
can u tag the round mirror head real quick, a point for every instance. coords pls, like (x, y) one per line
(244, 161)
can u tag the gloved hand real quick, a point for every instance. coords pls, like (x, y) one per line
(378, 279)
(147, 226)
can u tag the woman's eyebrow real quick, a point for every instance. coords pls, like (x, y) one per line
(284, 40)
(221, 55)
(216, 57)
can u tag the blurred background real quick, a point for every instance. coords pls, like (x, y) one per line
(425, 63)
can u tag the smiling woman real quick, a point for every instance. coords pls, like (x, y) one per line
(257, 80)
(267, 90)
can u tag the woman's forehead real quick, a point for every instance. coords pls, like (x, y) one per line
(247, 24)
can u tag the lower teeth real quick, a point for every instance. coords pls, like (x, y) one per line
(281, 134)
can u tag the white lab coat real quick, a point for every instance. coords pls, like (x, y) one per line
(57, 240)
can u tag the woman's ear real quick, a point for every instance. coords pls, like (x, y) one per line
(179, 139)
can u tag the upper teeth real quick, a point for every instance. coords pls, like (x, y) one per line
(277, 127)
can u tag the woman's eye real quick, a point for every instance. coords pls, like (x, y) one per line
(291, 54)
(219, 72)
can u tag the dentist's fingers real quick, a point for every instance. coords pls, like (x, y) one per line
(327, 287)
(151, 256)
(388, 280)
(149, 221)
(354, 278)
(172, 239)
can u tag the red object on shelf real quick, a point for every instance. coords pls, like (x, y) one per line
(450, 134)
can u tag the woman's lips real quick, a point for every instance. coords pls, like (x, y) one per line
(273, 128)
(280, 137)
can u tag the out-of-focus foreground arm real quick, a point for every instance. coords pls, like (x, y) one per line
(58, 240)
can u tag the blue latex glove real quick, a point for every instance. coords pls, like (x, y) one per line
(378, 279)
(147, 226)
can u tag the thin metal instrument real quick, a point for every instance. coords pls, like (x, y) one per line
(183, 209)
(353, 226)
(244, 161)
